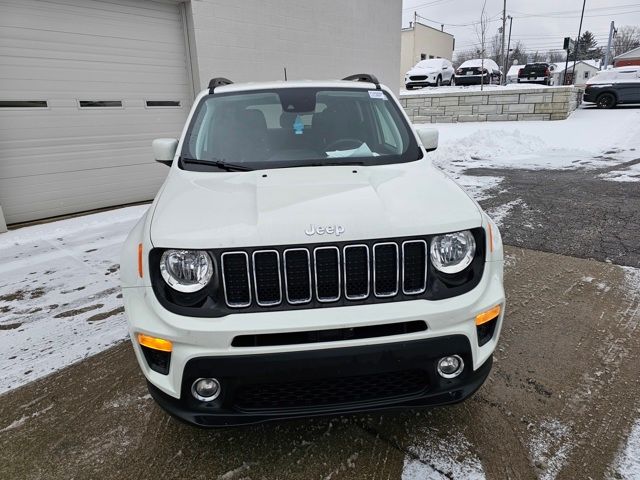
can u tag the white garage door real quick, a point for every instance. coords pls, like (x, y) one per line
(85, 85)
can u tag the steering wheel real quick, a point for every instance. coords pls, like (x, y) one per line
(345, 143)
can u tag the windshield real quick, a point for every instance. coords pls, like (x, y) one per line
(431, 63)
(298, 127)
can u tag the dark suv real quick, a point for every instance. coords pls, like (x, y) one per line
(614, 86)
(536, 73)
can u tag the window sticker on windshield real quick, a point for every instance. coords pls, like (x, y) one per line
(298, 126)
(377, 94)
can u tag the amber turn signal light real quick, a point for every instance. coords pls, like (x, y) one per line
(140, 271)
(155, 343)
(487, 316)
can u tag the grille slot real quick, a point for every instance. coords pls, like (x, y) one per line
(297, 275)
(235, 278)
(267, 280)
(327, 273)
(331, 391)
(326, 262)
(332, 335)
(385, 269)
(414, 267)
(356, 272)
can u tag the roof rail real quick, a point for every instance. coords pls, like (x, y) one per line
(364, 77)
(218, 82)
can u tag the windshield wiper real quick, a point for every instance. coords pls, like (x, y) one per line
(214, 162)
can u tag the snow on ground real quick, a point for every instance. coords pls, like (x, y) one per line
(59, 293)
(499, 213)
(629, 174)
(549, 447)
(589, 138)
(442, 458)
(469, 88)
(627, 463)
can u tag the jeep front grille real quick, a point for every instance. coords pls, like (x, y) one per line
(325, 273)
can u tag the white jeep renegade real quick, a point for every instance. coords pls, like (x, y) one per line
(304, 257)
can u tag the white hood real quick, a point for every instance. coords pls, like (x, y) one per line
(276, 207)
(422, 71)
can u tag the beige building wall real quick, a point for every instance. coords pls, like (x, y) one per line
(255, 40)
(421, 39)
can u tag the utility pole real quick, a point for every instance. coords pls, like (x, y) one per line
(506, 59)
(612, 31)
(504, 27)
(415, 25)
(575, 54)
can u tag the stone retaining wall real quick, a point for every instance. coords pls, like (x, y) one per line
(505, 104)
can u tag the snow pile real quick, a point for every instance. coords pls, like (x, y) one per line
(443, 459)
(60, 295)
(589, 138)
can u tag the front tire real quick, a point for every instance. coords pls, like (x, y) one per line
(439, 81)
(606, 100)
(452, 82)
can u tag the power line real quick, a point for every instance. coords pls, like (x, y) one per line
(422, 5)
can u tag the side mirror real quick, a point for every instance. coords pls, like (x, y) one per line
(428, 137)
(164, 149)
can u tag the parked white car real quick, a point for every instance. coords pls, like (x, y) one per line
(432, 72)
(305, 257)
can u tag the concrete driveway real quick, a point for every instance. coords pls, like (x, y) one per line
(559, 403)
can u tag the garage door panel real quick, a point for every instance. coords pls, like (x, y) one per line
(80, 125)
(99, 73)
(19, 52)
(63, 158)
(95, 189)
(94, 90)
(65, 42)
(47, 16)
(141, 9)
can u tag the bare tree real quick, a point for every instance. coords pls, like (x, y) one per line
(626, 39)
(518, 54)
(481, 33)
(555, 56)
(495, 49)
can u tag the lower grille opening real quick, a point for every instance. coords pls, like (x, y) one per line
(486, 331)
(333, 335)
(331, 391)
(157, 360)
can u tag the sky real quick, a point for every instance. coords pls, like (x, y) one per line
(540, 24)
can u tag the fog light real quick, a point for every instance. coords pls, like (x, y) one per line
(205, 389)
(450, 367)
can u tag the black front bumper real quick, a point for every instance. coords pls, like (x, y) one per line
(258, 388)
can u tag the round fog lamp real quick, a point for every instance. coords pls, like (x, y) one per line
(450, 366)
(205, 389)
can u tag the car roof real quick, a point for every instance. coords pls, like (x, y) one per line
(249, 86)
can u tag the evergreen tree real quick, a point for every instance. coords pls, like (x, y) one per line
(588, 48)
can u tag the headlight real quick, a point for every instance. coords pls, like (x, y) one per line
(452, 252)
(186, 271)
